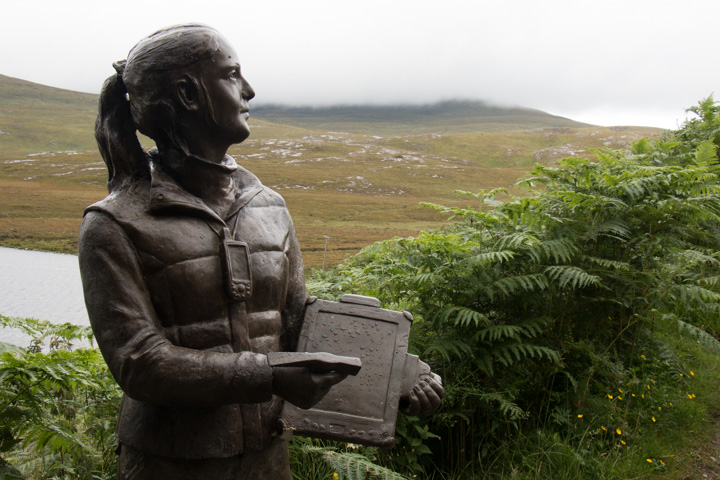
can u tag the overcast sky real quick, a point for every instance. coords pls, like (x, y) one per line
(607, 62)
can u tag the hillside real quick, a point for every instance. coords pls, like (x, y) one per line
(357, 188)
(449, 117)
(35, 118)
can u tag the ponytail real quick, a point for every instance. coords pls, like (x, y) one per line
(116, 136)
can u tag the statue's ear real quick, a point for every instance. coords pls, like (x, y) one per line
(188, 93)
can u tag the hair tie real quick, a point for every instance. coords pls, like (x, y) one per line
(119, 66)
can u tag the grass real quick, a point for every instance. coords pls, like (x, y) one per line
(682, 443)
(356, 188)
(359, 187)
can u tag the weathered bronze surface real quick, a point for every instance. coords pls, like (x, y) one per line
(192, 273)
(362, 409)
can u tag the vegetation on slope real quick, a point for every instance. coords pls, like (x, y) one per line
(356, 189)
(576, 328)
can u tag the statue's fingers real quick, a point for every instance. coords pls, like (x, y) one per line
(414, 405)
(432, 396)
(422, 395)
(327, 380)
(437, 388)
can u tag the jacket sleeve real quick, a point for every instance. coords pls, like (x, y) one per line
(294, 309)
(144, 363)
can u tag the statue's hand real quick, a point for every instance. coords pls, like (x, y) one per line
(425, 397)
(301, 386)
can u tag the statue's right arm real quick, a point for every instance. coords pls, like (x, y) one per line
(144, 363)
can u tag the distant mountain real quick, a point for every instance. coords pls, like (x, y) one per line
(36, 118)
(448, 117)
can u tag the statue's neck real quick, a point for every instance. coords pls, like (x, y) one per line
(209, 181)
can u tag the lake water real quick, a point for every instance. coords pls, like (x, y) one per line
(39, 285)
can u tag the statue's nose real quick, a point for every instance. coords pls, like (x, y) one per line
(247, 91)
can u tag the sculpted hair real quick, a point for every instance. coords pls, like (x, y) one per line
(141, 96)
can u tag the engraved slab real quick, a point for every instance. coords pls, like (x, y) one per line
(360, 409)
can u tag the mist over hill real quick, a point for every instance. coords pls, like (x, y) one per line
(36, 118)
(451, 116)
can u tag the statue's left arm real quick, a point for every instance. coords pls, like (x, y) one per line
(294, 309)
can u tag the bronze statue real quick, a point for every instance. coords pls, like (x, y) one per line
(192, 272)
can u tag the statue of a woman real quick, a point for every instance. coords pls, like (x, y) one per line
(192, 271)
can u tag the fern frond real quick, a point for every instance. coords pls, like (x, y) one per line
(559, 250)
(517, 240)
(509, 354)
(694, 293)
(706, 153)
(575, 277)
(353, 466)
(613, 228)
(704, 338)
(496, 332)
(450, 349)
(509, 286)
(509, 408)
(606, 263)
(499, 256)
(463, 316)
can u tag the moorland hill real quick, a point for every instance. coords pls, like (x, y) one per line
(356, 174)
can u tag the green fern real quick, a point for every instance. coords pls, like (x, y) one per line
(353, 466)
(509, 354)
(463, 316)
(704, 338)
(510, 286)
(571, 276)
(507, 406)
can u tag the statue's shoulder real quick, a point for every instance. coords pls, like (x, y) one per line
(264, 196)
(129, 201)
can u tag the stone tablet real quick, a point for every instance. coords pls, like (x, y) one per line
(361, 409)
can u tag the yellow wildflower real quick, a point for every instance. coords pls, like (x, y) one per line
(623, 442)
(580, 416)
(682, 375)
(659, 409)
(648, 387)
(633, 394)
(618, 431)
(649, 460)
(642, 356)
(653, 419)
(671, 404)
(689, 396)
(693, 395)
(692, 373)
(336, 476)
(603, 427)
(643, 395)
(620, 390)
(619, 398)
(610, 396)
(662, 462)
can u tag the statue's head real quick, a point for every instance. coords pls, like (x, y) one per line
(184, 86)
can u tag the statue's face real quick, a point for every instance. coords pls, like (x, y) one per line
(228, 94)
